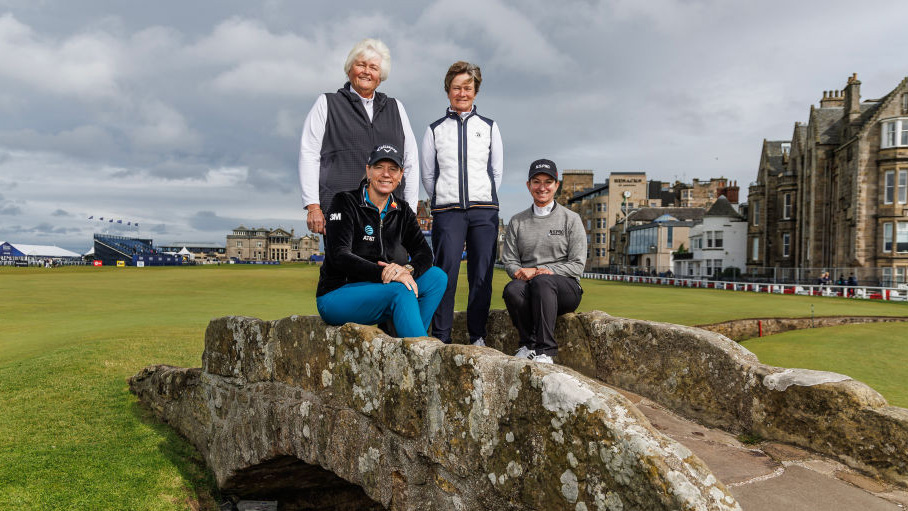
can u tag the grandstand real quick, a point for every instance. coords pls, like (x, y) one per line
(110, 249)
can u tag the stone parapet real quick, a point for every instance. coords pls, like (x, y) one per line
(290, 407)
(713, 380)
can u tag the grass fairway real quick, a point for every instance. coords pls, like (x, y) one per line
(72, 437)
(876, 354)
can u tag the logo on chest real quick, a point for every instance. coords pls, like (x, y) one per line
(369, 233)
(556, 232)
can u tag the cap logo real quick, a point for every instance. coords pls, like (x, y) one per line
(386, 149)
(543, 166)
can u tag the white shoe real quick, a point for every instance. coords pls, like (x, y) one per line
(525, 352)
(543, 359)
(479, 342)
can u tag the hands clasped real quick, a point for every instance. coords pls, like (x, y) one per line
(393, 272)
(529, 273)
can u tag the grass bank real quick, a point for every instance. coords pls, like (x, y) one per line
(72, 437)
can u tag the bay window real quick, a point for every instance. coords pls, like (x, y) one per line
(895, 133)
(887, 237)
(901, 237)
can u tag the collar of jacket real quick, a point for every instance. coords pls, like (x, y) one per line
(379, 99)
(456, 115)
(392, 202)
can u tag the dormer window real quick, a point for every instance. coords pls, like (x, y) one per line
(895, 133)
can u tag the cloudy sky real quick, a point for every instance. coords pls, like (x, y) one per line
(185, 117)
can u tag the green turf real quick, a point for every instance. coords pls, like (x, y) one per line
(72, 437)
(875, 354)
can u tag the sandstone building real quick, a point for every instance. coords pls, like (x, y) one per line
(261, 244)
(834, 196)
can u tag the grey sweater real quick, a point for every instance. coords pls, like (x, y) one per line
(556, 242)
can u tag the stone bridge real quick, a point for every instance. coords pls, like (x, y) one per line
(348, 418)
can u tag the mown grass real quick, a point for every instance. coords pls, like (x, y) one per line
(876, 354)
(72, 437)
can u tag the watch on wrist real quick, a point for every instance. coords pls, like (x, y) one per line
(409, 268)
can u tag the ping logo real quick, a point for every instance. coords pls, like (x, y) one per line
(556, 232)
(369, 230)
(334, 216)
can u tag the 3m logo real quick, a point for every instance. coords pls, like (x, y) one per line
(334, 216)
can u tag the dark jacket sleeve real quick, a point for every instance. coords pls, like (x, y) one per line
(415, 243)
(339, 242)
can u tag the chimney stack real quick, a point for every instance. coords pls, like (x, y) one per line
(852, 98)
(831, 99)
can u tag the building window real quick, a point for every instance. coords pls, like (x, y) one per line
(718, 239)
(895, 133)
(903, 186)
(709, 239)
(258, 244)
(786, 206)
(887, 277)
(786, 244)
(888, 187)
(755, 249)
(887, 237)
(670, 236)
(900, 275)
(589, 224)
(239, 244)
(901, 237)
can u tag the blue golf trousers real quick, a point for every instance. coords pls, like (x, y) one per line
(371, 303)
(477, 228)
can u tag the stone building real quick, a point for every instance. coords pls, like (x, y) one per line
(649, 238)
(572, 183)
(604, 205)
(834, 196)
(424, 215)
(717, 243)
(261, 244)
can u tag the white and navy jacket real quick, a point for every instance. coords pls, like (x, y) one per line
(462, 161)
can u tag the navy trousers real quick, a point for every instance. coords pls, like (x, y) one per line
(478, 229)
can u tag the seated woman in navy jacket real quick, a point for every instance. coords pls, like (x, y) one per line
(378, 266)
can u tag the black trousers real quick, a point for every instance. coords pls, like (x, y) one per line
(477, 228)
(533, 306)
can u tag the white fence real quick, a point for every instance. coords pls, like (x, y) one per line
(899, 294)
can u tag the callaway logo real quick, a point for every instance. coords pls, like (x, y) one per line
(334, 216)
(386, 149)
(556, 232)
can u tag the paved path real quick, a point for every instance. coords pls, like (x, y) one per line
(773, 476)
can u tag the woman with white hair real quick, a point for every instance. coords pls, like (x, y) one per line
(343, 127)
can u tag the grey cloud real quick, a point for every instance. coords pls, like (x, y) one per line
(8, 208)
(209, 221)
(158, 229)
(61, 212)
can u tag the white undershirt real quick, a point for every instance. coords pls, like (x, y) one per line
(544, 210)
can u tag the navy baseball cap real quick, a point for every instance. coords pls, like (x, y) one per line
(386, 152)
(543, 167)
